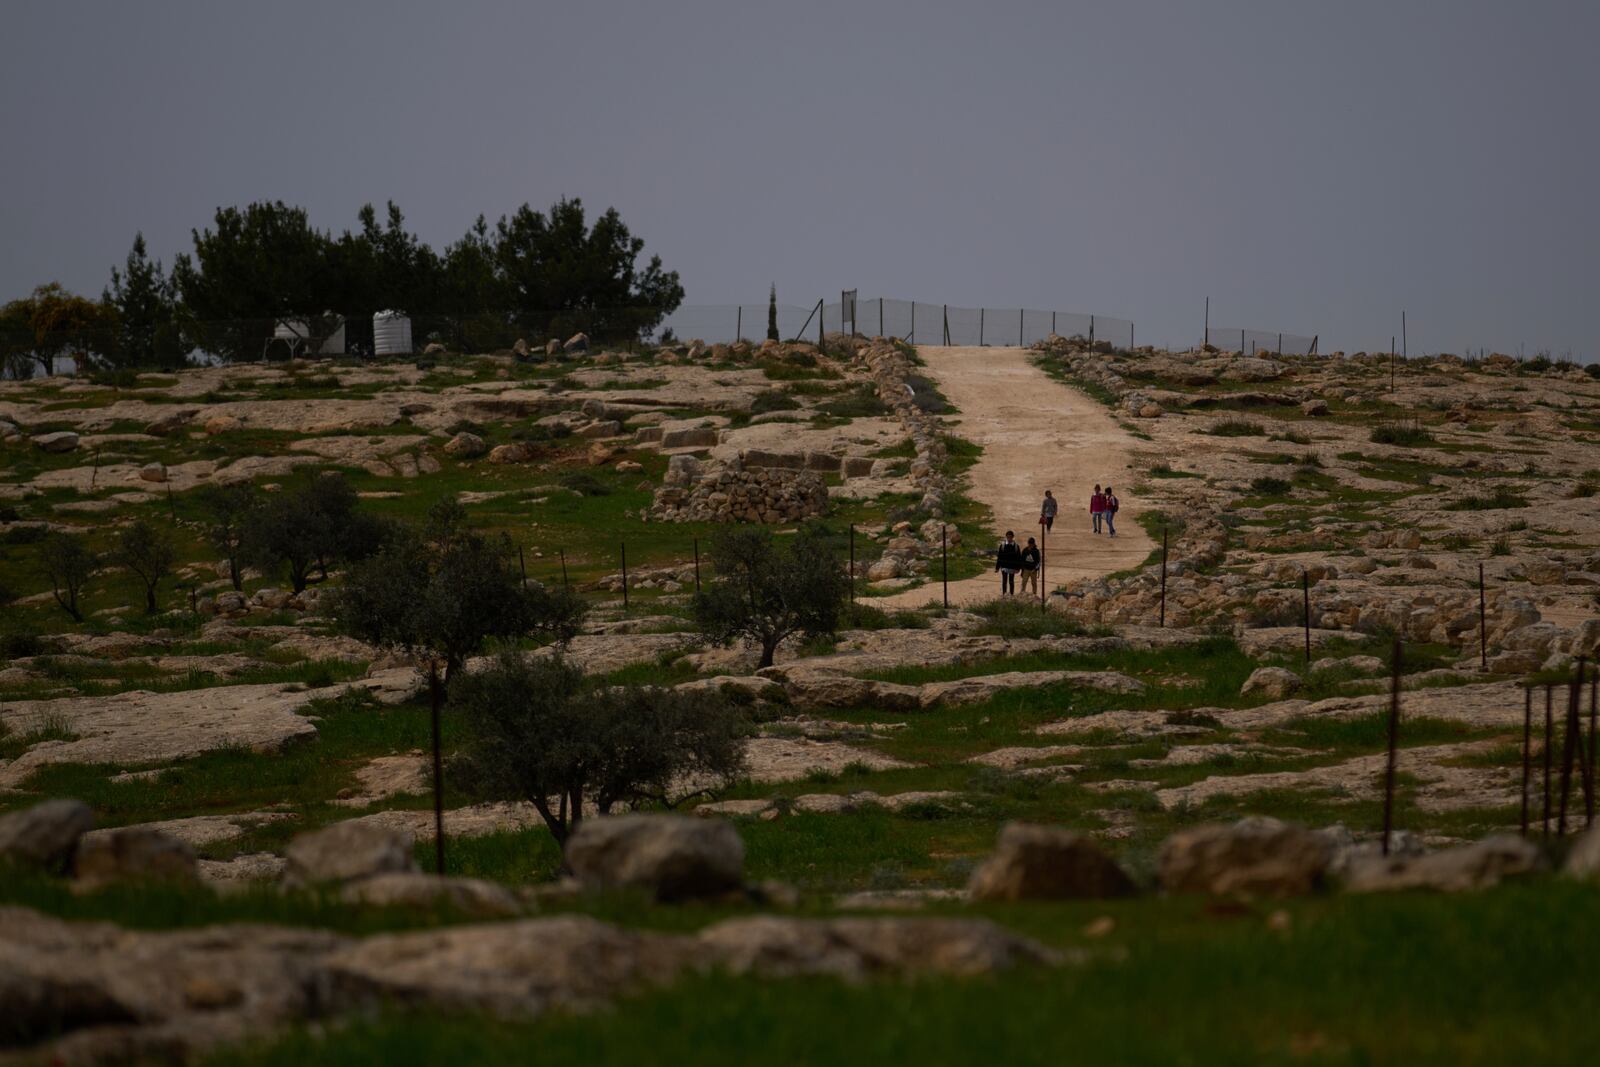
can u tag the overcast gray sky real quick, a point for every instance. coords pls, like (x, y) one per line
(1312, 167)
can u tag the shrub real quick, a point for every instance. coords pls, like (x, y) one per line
(772, 400)
(443, 591)
(1404, 434)
(765, 591)
(1500, 498)
(583, 482)
(537, 729)
(861, 402)
(864, 616)
(68, 565)
(26, 535)
(147, 552)
(1023, 618)
(1237, 428)
(1269, 486)
(1501, 546)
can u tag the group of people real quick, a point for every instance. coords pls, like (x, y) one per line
(1012, 559)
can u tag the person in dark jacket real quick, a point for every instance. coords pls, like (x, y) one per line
(1030, 567)
(1112, 506)
(1008, 561)
(1047, 512)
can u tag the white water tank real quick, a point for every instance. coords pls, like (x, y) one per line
(391, 334)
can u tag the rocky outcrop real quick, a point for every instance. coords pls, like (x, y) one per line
(1480, 865)
(45, 835)
(346, 852)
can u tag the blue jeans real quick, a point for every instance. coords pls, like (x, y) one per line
(1097, 522)
(1111, 523)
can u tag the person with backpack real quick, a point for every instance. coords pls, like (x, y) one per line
(1111, 505)
(1008, 561)
(1030, 567)
(1047, 512)
(1097, 507)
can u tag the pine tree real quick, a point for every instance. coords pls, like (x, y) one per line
(147, 332)
(772, 313)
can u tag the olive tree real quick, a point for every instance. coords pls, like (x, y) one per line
(443, 590)
(147, 552)
(539, 731)
(69, 566)
(317, 524)
(765, 590)
(229, 508)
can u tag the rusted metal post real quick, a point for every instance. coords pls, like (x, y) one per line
(1483, 626)
(436, 696)
(1305, 594)
(1549, 731)
(566, 583)
(980, 327)
(1394, 736)
(944, 561)
(852, 563)
(1163, 577)
(1041, 566)
(1571, 743)
(1527, 751)
(522, 565)
(624, 575)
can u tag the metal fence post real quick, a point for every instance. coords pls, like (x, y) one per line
(880, 316)
(1394, 733)
(624, 575)
(1091, 329)
(1020, 313)
(947, 324)
(436, 699)
(738, 324)
(1208, 321)
(980, 327)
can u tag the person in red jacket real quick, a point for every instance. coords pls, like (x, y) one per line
(1097, 507)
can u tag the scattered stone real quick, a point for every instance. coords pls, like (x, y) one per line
(153, 472)
(1033, 862)
(1476, 866)
(674, 857)
(1274, 683)
(468, 896)
(465, 446)
(1255, 856)
(57, 442)
(134, 853)
(345, 852)
(45, 835)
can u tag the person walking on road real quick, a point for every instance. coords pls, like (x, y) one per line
(1097, 507)
(1111, 505)
(1030, 567)
(1008, 561)
(1047, 512)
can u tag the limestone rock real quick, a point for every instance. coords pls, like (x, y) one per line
(46, 834)
(771, 947)
(153, 472)
(674, 857)
(1033, 862)
(469, 896)
(58, 442)
(134, 853)
(465, 446)
(512, 453)
(1314, 407)
(578, 342)
(981, 687)
(1254, 856)
(1275, 683)
(1476, 866)
(1584, 859)
(345, 852)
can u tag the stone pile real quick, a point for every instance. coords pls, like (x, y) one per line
(891, 370)
(696, 491)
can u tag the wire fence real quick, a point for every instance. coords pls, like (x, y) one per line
(182, 341)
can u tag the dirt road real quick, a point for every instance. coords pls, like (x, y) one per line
(1036, 434)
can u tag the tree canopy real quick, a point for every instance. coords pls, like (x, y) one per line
(765, 590)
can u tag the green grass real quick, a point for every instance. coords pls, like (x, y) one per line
(1343, 981)
(1406, 435)
(1237, 428)
(1495, 500)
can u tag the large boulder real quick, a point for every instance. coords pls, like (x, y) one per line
(1256, 856)
(347, 851)
(1584, 859)
(60, 441)
(134, 854)
(1479, 865)
(674, 857)
(45, 835)
(578, 342)
(1033, 862)
(1274, 683)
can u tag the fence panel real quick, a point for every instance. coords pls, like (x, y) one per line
(1252, 341)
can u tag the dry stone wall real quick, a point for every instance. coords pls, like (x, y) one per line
(731, 492)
